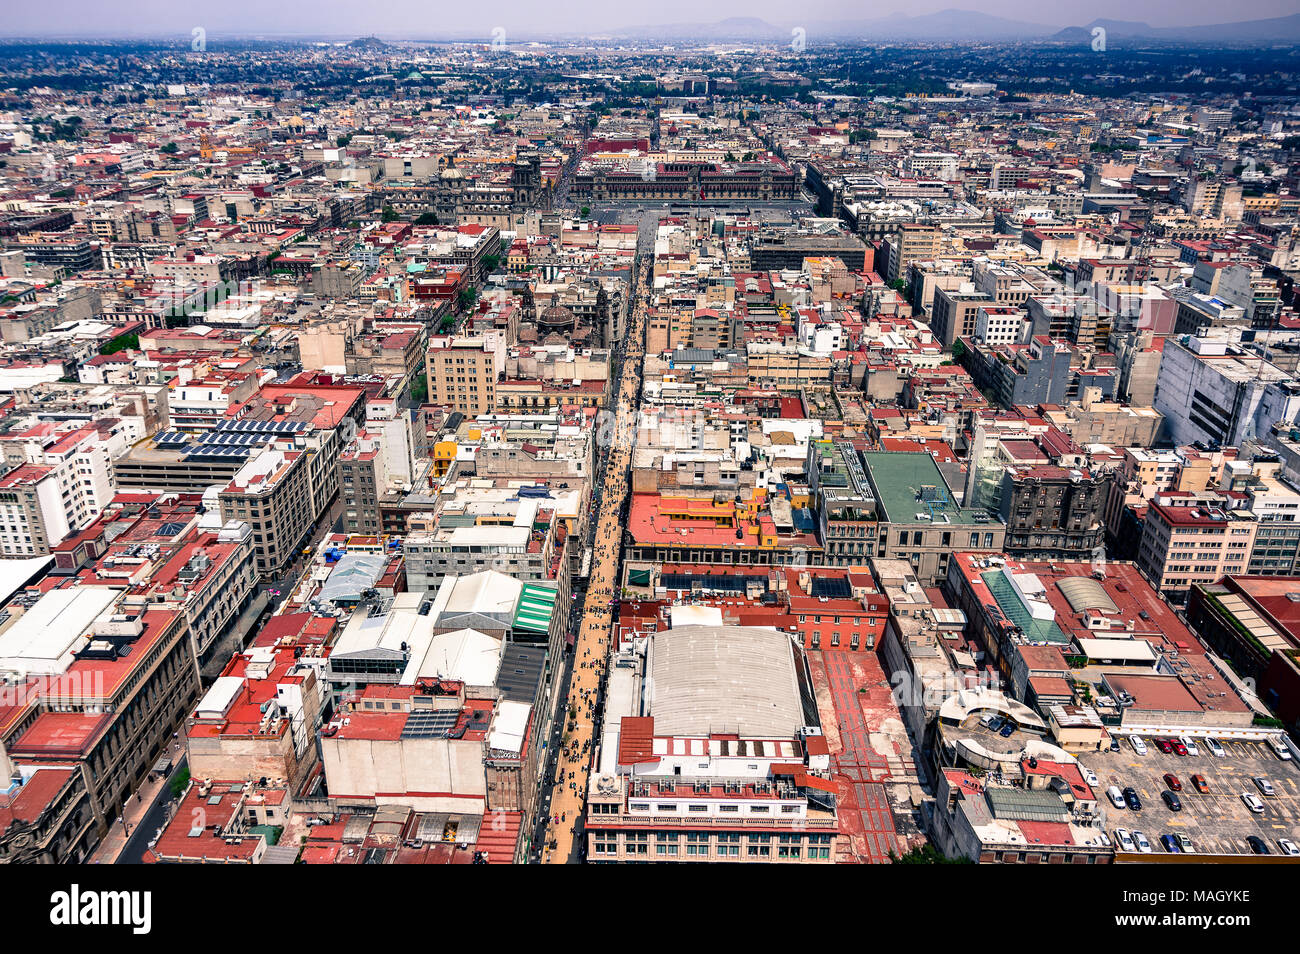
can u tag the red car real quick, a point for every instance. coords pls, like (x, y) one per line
(1199, 783)
(1179, 747)
(1164, 746)
(1172, 781)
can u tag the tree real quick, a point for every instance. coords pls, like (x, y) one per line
(389, 214)
(179, 781)
(585, 211)
(466, 299)
(427, 218)
(926, 855)
(129, 342)
(958, 350)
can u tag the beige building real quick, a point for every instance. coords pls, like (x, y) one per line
(463, 372)
(272, 493)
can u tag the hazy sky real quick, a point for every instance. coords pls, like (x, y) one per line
(438, 17)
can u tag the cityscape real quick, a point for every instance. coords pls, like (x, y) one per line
(866, 441)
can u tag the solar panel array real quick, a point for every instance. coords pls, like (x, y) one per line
(432, 724)
(263, 427)
(172, 438)
(231, 437)
(834, 587)
(219, 450)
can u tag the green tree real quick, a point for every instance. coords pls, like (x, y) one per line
(179, 781)
(926, 855)
(129, 342)
(389, 214)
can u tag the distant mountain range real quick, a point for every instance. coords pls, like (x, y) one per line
(1275, 31)
(957, 25)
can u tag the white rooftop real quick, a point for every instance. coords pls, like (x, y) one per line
(44, 639)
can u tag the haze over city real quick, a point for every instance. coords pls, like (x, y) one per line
(749, 434)
(418, 19)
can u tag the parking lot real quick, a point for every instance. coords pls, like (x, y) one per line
(1217, 822)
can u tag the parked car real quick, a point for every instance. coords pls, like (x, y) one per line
(1164, 746)
(1279, 748)
(1117, 797)
(1114, 744)
(1139, 746)
(1124, 840)
(1257, 845)
(1132, 800)
(1170, 843)
(1190, 744)
(1185, 844)
(1179, 748)
(1200, 784)
(1265, 786)
(1253, 802)
(1172, 781)
(1172, 801)
(988, 721)
(1089, 776)
(1288, 846)
(1140, 840)
(1215, 748)
(1007, 729)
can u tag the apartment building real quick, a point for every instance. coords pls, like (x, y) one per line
(272, 493)
(64, 481)
(1186, 543)
(911, 242)
(1054, 513)
(463, 372)
(955, 313)
(106, 681)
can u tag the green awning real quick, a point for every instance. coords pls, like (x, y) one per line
(638, 577)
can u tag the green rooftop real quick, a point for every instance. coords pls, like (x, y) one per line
(535, 608)
(898, 478)
(1036, 630)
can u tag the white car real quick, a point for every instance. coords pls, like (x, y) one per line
(1090, 776)
(1253, 803)
(1215, 748)
(1140, 839)
(1288, 846)
(1117, 797)
(1139, 746)
(1265, 786)
(1125, 840)
(1279, 749)
(1191, 745)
